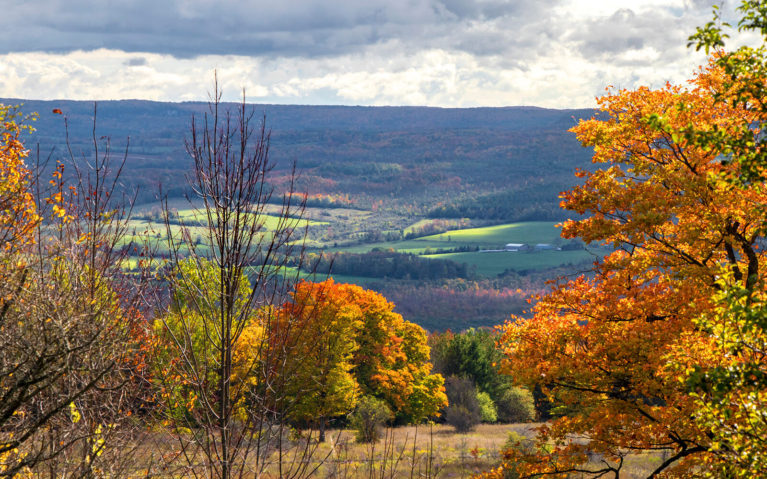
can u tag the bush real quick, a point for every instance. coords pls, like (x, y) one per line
(463, 411)
(462, 419)
(487, 410)
(369, 417)
(516, 405)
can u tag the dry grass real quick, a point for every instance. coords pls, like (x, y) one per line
(405, 452)
(409, 451)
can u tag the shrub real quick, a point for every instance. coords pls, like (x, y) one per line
(517, 441)
(516, 405)
(461, 418)
(463, 411)
(487, 409)
(369, 417)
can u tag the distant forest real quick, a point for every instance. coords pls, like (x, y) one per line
(504, 164)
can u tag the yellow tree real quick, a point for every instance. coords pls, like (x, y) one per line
(18, 212)
(323, 325)
(610, 346)
(187, 345)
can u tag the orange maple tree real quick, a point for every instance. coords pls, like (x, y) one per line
(359, 345)
(319, 325)
(613, 347)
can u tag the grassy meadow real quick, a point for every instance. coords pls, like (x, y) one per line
(341, 230)
(435, 451)
(530, 232)
(493, 263)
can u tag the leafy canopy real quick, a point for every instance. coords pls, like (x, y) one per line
(613, 347)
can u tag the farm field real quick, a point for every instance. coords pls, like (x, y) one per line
(493, 263)
(490, 263)
(485, 237)
(444, 246)
(490, 276)
(497, 236)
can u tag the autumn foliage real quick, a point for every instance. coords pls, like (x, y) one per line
(365, 348)
(72, 367)
(613, 348)
(18, 212)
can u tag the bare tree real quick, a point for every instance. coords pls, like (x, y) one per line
(224, 351)
(70, 326)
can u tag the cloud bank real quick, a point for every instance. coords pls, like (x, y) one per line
(556, 53)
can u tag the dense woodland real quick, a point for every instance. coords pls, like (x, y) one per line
(131, 354)
(407, 158)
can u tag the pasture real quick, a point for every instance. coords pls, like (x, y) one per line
(342, 230)
(490, 264)
(530, 232)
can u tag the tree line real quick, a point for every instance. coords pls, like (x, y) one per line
(389, 264)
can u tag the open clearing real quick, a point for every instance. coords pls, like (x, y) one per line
(494, 263)
(407, 451)
(339, 230)
(530, 232)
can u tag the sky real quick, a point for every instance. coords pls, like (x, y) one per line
(447, 53)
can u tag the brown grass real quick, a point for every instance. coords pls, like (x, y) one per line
(410, 451)
(405, 452)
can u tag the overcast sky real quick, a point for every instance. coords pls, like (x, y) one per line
(452, 53)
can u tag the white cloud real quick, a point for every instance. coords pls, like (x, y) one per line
(417, 52)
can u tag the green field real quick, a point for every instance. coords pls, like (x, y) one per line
(494, 263)
(487, 263)
(156, 231)
(436, 246)
(487, 237)
(497, 236)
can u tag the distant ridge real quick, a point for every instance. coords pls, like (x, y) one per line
(313, 117)
(497, 164)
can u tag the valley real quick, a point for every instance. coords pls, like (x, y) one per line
(408, 201)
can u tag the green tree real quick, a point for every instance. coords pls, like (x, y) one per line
(471, 354)
(369, 418)
(487, 409)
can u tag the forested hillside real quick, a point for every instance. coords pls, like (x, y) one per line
(495, 163)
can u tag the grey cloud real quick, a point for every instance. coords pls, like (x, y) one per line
(488, 9)
(300, 28)
(626, 30)
(665, 29)
(135, 62)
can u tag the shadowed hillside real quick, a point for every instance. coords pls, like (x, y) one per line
(493, 163)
